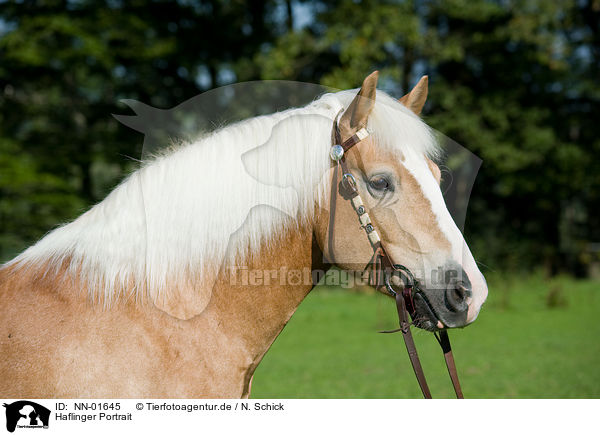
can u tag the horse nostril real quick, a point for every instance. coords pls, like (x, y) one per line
(456, 297)
(459, 293)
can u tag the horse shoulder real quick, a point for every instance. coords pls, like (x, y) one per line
(56, 342)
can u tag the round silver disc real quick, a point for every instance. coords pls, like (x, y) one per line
(336, 152)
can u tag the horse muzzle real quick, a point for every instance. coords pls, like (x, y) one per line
(443, 306)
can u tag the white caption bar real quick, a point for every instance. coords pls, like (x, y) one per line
(149, 416)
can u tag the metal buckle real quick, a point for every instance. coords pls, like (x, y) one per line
(350, 180)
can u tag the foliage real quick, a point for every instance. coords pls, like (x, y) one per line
(64, 67)
(515, 82)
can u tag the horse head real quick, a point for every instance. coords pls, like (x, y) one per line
(399, 182)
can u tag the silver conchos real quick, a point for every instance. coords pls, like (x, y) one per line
(336, 152)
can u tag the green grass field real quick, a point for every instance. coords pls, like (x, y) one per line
(534, 338)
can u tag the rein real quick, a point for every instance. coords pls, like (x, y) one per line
(381, 268)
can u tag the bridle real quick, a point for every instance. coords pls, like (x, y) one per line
(381, 268)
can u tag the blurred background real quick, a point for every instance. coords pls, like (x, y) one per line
(515, 82)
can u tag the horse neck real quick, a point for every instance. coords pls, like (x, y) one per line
(254, 301)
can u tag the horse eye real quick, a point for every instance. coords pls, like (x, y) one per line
(379, 183)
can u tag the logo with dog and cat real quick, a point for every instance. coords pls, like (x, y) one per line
(25, 414)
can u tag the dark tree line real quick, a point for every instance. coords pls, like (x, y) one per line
(515, 82)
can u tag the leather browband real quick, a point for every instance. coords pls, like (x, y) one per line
(354, 139)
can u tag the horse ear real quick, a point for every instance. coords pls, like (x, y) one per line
(355, 117)
(415, 99)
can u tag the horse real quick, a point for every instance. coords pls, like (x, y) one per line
(128, 300)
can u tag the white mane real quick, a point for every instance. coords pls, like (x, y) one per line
(177, 213)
